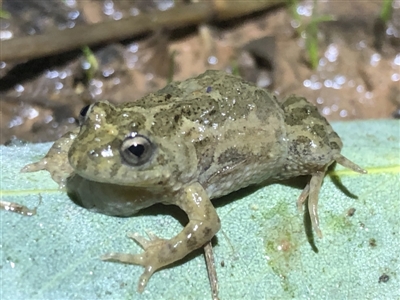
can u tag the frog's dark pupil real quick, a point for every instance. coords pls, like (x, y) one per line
(84, 111)
(136, 150)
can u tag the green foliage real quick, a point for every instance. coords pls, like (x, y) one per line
(171, 69)
(310, 30)
(386, 10)
(91, 59)
(4, 14)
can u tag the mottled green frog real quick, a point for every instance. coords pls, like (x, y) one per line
(192, 141)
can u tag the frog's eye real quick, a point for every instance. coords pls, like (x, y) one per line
(83, 114)
(137, 150)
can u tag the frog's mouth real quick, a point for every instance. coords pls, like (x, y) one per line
(127, 177)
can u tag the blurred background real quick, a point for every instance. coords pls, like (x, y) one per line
(57, 56)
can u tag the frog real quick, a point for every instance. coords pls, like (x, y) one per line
(188, 143)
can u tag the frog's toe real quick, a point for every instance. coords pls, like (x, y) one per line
(143, 242)
(134, 259)
(315, 186)
(37, 166)
(144, 278)
(121, 257)
(303, 197)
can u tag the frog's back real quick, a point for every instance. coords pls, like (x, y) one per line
(236, 129)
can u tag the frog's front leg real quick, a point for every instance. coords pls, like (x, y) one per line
(56, 160)
(203, 224)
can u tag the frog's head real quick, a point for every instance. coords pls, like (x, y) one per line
(118, 145)
(313, 144)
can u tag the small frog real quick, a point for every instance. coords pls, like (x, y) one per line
(192, 141)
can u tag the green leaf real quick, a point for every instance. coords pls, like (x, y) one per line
(262, 244)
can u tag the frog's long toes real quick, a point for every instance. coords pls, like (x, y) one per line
(144, 278)
(37, 166)
(143, 242)
(345, 162)
(302, 198)
(122, 258)
(152, 236)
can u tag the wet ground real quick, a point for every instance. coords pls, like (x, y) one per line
(357, 77)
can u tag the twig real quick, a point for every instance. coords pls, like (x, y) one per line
(59, 41)
(212, 273)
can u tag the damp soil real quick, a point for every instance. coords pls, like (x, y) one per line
(357, 77)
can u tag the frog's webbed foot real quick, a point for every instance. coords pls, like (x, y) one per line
(56, 160)
(311, 190)
(202, 226)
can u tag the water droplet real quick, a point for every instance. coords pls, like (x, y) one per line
(97, 83)
(108, 72)
(395, 77)
(340, 79)
(149, 76)
(52, 74)
(307, 83)
(116, 81)
(304, 10)
(165, 4)
(70, 3)
(62, 75)
(263, 81)
(326, 111)
(322, 62)
(134, 11)
(396, 60)
(134, 47)
(73, 15)
(16, 121)
(375, 59)
(19, 88)
(117, 15)
(295, 24)
(5, 35)
(48, 119)
(108, 7)
(343, 113)
(361, 45)
(332, 52)
(59, 86)
(328, 83)
(86, 65)
(212, 60)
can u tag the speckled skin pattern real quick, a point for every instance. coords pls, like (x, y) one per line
(190, 142)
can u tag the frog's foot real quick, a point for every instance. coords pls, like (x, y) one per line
(312, 189)
(203, 224)
(148, 259)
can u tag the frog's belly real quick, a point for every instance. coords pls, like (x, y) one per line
(109, 199)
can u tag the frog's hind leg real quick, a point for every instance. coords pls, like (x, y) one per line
(203, 224)
(311, 190)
